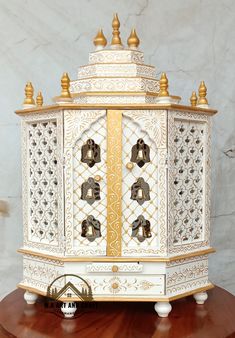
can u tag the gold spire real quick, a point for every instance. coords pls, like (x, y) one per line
(29, 94)
(65, 83)
(163, 85)
(100, 40)
(193, 99)
(39, 99)
(116, 40)
(133, 40)
(202, 94)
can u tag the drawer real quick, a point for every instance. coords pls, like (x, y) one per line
(125, 285)
(114, 267)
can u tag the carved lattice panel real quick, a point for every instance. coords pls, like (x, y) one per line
(131, 209)
(81, 173)
(42, 171)
(188, 193)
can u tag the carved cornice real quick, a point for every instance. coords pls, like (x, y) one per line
(149, 106)
(118, 259)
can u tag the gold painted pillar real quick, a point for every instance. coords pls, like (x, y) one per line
(114, 182)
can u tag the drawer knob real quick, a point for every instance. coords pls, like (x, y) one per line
(115, 268)
(115, 285)
(97, 178)
(130, 165)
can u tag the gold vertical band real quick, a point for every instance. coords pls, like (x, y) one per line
(114, 182)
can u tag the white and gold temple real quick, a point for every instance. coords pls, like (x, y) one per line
(116, 183)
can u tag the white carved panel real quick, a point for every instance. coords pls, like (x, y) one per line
(145, 285)
(120, 56)
(86, 98)
(128, 84)
(79, 127)
(108, 267)
(185, 274)
(119, 70)
(138, 124)
(152, 121)
(40, 272)
(188, 181)
(43, 181)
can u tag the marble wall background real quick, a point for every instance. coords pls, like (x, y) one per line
(191, 40)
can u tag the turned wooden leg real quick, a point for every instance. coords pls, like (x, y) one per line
(163, 308)
(69, 309)
(30, 297)
(200, 297)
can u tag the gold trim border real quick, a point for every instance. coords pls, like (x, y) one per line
(139, 106)
(114, 182)
(123, 299)
(117, 259)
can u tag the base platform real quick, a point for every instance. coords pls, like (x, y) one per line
(213, 319)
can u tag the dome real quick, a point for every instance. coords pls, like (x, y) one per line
(115, 74)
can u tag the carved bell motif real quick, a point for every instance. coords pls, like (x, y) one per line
(141, 228)
(89, 194)
(90, 153)
(90, 231)
(140, 191)
(141, 233)
(90, 191)
(91, 228)
(140, 194)
(140, 153)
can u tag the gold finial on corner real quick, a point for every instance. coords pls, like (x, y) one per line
(29, 91)
(100, 40)
(163, 85)
(116, 40)
(65, 84)
(202, 91)
(133, 41)
(193, 99)
(39, 99)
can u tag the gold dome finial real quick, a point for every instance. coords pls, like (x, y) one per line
(29, 94)
(39, 99)
(133, 40)
(116, 40)
(163, 85)
(193, 99)
(202, 91)
(100, 41)
(65, 83)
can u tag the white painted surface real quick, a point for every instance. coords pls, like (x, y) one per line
(40, 40)
(163, 309)
(200, 297)
(30, 297)
(69, 309)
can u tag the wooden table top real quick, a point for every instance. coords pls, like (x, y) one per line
(214, 319)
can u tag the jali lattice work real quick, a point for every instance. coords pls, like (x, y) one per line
(116, 185)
